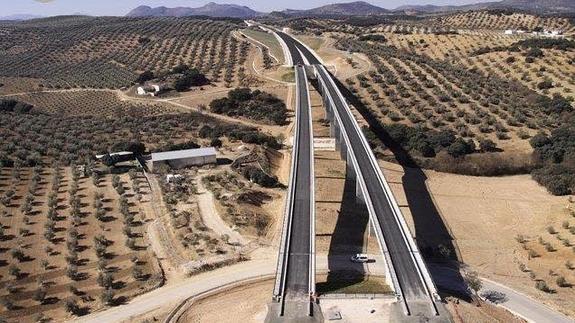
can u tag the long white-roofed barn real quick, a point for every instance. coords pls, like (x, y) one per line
(185, 158)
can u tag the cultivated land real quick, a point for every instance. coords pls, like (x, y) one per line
(484, 216)
(144, 223)
(80, 51)
(68, 240)
(426, 82)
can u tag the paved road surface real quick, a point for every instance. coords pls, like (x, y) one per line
(411, 284)
(525, 306)
(405, 267)
(297, 282)
(167, 297)
(516, 302)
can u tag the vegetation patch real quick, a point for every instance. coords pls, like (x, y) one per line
(555, 154)
(243, 204)
(257, 105)
(352, 283)
(110, 52)
(35, 139)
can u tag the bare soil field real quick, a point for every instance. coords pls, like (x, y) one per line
(248, 304)
(64, 248)
(463, 312)
(485, 216)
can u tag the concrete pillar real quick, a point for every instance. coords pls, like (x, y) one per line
(328, 111)
(359, 198)
(349, 169)
(334, 131)
(343, 146)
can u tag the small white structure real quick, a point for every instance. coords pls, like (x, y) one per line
(549, 33)
(151, 90)
(514, 32)
(185, 158)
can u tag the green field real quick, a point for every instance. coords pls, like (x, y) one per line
(268, 40)
(352, 283)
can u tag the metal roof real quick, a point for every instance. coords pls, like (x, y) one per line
(181, 154)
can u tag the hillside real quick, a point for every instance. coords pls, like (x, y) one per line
(357, 8)
(75, 51)
(528, 5)
(211, 10)
(19, 17)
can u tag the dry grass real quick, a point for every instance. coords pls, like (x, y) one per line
(485, 215)
(247, 303)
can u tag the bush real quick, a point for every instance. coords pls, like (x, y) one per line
(487, 145)
(373, 37)
(461, 147)
(544, 85)
(190, 77)
(145, 77)
(10, 105)
(562, 282)
(258, 176)
(555, 155)
(256, 105)
(542, 286)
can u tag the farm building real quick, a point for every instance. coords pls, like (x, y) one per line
(185, 158)
(151, 90)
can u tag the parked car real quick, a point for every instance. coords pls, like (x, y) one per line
(360, 258)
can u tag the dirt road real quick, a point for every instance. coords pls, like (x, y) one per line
(212, 219)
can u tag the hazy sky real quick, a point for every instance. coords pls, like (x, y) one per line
(121, 7)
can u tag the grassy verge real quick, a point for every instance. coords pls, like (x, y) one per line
(345, 283)
(269, 40)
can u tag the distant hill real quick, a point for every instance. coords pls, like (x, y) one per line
(545, 6)
(541, 5)
(211, 10)
(357, 8)
(20, 17)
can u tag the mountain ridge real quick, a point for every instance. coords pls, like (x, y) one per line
(210, 9)
(20, 17)
(356, 8)
(550, 6)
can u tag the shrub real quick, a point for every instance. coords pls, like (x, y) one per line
(145, 77)
(189, 78)
(542, 286)
(256, 105)
(544, 85)
(461, 147)
(562, 282)
(487, 145)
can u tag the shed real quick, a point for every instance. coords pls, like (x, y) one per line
(185, 158)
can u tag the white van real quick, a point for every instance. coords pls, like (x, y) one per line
(360, 257)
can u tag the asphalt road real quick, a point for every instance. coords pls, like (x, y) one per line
(297, 58)
(297, 281)
(408, 277)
